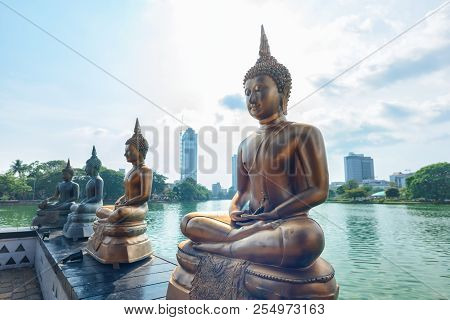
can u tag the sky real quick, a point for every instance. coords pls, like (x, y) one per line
(174, 64)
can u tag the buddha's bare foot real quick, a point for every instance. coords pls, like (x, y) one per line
(218, 248)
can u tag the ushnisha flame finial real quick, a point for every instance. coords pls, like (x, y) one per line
(137, 127)
(264, 49)
(138, 140)
(94, 152)
(68, 164)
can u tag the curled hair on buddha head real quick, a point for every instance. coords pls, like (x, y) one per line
(269, 66)
(68, 168)
(94, 161)
(138, 140)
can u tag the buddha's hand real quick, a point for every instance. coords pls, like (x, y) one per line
(236, 216)
(265, 216)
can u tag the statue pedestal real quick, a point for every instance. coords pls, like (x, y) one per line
(126, 242)
(79, 225)
(50, 218)
(207, 276)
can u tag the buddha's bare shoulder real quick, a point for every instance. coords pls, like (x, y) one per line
(146, 169)
(304, 130)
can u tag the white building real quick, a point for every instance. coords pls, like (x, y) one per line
(399, 178)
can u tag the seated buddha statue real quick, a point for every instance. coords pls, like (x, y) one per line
(53, 211)
(266, 246)
(80, 221)
(120, 230)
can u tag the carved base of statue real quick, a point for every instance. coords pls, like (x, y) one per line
(207, 276)
(79, 225)
(126, 242)
(50, 218)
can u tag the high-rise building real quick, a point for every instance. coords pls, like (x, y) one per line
(234, 172)
(358, 167)
(188, 154)
(399, 178)
(216, 189)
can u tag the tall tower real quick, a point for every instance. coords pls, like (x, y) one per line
(358, 167)
(234, 172)
(188, 154)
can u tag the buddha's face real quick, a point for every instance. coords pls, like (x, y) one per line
(90, 170)
(262, 97)
(67, 176)
(131, 153)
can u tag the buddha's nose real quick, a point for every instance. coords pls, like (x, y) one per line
(252, 99)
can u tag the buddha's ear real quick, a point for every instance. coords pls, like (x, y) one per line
(283, 103)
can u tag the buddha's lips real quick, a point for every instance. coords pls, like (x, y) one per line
(255, 108)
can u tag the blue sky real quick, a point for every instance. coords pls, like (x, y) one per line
(189, 57)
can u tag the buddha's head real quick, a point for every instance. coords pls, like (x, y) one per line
(68, 172)
(137, 146)
(267, 84)
(93, 164)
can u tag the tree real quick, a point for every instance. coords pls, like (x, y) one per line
(331, 194)
(356, 193)
(392, 192)
(113, 183)
(351, 184)
(18, 167)
(430, 182)
(12, 187)
(190, 190)
(159, 183)
(340, 190)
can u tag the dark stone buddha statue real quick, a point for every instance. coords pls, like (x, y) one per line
(270, 250)
(53, 211)
(80, 221)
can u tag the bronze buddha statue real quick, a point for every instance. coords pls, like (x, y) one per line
(53, 211)
(80, 220)
(120, 231)
(271, 250)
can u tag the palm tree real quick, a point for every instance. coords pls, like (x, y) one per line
(18, 167)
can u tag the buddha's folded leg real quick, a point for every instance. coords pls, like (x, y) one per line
(88, 207)
(293, 244)
(128, 213)
(206, 227)
(104, 212)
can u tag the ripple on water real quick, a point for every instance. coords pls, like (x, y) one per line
(378, 251)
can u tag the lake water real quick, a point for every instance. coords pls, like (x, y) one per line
(378, 251)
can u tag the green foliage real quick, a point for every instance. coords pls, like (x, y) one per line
(159, 183)
(113, 184)
(331, 194)
(12, 187)
(392, 192)
(356, 193)
(351, 184)
(190, 190)
(340, 190)
(431, 182)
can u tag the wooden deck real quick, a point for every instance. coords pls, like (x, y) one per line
(89, 279)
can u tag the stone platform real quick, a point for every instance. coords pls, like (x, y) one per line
(86, 279)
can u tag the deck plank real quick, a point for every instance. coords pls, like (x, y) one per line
(89, 279)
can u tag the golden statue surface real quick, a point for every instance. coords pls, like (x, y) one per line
(270, 250)
(120, 231)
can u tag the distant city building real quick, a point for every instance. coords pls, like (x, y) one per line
(234, 172)
(216, 189)
(121, 170)
(358, 167)
(376, 183)
(399, 178)
(335, 185)
(188, 154)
